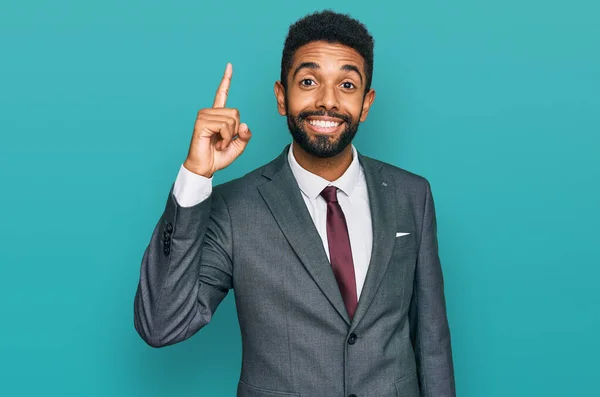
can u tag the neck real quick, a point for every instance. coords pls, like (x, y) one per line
(330, 168)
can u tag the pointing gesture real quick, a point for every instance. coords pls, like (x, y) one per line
(219, 137)
(223, 90)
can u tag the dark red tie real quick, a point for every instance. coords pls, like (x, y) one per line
(340, 254)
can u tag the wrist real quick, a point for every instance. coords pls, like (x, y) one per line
(190, 166)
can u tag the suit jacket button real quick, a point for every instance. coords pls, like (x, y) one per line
(167, 251)
(351, 341)
(352, 395)
(166, 235)
(169, 227)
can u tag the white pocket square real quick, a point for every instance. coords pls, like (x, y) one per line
(401, 234)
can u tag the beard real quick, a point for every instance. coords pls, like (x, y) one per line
(321, 146)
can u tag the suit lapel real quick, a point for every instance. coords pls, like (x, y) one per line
(383, 204)
(284, 199)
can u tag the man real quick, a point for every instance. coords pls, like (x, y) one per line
(332, 256)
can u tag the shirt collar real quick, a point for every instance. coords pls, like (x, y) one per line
(312, 185)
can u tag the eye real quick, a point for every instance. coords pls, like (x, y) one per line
(348, 85)
(307, 82)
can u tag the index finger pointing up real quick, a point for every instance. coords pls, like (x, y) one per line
(223, 90)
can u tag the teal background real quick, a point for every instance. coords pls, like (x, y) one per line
(495, 102)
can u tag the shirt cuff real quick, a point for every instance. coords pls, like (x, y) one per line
(191, 189)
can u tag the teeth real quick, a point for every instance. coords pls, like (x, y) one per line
(324, 124)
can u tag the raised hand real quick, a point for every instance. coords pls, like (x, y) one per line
(219, 137)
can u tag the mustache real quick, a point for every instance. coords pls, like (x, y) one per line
(321, 113)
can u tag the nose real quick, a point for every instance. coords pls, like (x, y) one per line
(327, 98)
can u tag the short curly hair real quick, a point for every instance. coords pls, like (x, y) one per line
(331, 27)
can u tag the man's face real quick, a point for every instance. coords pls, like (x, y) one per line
(325, 99)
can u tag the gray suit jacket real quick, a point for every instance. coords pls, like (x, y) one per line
(255, 235)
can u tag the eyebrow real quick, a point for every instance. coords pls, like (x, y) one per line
(315, 66)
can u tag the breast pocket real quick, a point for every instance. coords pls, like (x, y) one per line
(401, 269)
(405, 239)
(405, 249)
(245, 390)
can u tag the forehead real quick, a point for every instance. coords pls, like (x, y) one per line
(322, 52)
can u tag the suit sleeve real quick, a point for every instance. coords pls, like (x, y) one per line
(430, 332)
(186, 271)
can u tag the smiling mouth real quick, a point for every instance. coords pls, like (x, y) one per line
(324, 126)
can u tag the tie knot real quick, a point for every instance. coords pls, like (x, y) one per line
(330, 194)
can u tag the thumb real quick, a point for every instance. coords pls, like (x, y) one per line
(244, 133)
(238, 145)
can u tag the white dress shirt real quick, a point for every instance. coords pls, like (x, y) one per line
(191, 189)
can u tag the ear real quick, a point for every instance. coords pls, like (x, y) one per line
(280, 97)
(367, 102)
